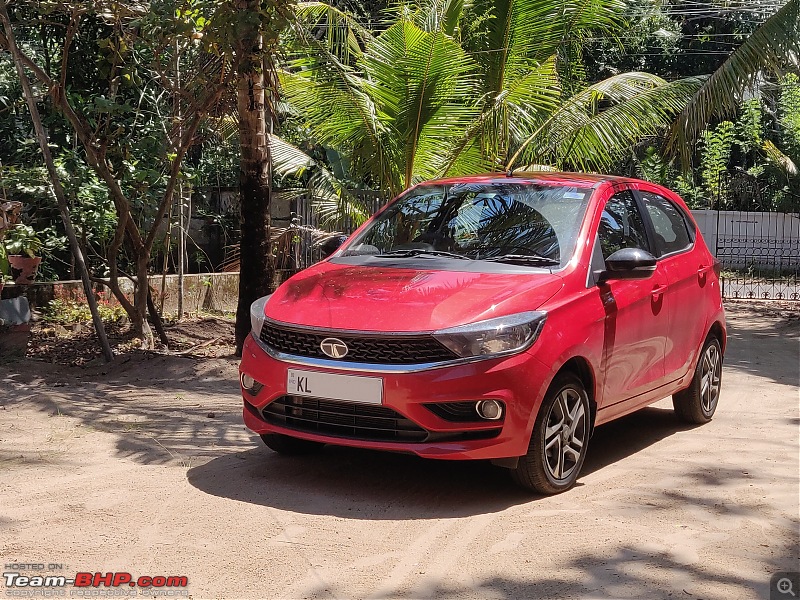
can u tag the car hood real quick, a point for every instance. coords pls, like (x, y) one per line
(363, 298)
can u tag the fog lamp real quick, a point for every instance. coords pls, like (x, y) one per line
(250, 385)
(491, 410)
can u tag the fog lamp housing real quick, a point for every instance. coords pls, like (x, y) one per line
(249, 384)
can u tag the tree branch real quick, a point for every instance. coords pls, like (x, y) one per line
(183, 146)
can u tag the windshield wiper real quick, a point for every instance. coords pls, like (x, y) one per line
(411, 252)
(537, 259)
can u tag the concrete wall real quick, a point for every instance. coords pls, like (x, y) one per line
(743, 239)
(203, 292)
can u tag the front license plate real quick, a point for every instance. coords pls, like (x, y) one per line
(350, 388)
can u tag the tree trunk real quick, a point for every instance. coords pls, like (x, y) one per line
(58, 190)
(255, 188)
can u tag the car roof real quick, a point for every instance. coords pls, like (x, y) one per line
(545, 177)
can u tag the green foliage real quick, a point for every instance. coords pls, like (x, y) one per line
(789, 114)
(121, 80)
(91, 209)
(22, 240)
(68, 312)
(451, 88)
(5, 268)
(650, 42)
(717, 146)
(760, 148)
(749, 126)
(767, 50)
(652, 167)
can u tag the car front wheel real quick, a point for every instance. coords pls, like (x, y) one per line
(697, 403)
(559, 440)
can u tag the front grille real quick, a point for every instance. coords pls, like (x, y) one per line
(342, 419)
(358, 421)
(384, 350)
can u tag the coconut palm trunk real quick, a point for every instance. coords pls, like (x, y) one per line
(255, 191)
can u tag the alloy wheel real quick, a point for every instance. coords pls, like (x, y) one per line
(710, 379)
(565, 434)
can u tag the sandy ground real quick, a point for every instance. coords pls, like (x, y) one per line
(146, 468)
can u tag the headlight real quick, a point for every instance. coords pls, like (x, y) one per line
(257, 315)
(503, 335)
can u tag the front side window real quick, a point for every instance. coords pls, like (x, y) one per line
(621, 225)
(669, 224)
(480, 221)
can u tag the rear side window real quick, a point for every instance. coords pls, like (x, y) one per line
(669, 223)
(621, 225)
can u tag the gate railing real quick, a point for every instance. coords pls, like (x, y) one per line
(308, 223)
(759, 252)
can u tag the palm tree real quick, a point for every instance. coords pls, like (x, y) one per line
(449, 88)
(774, 47)
(253, 30)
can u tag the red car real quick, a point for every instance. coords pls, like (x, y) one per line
(492, 317)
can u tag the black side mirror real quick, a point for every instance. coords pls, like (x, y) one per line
(628, 263)
(331, 245)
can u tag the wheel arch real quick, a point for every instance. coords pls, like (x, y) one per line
(718, 331)
(582, 369)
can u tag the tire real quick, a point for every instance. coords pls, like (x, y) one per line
(697, 403)
(289, 446)
(550, 466)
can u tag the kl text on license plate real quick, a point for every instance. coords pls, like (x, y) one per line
(348, 388)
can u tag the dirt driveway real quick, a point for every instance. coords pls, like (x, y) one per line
(147, 469)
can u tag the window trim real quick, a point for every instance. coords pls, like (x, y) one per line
(642, 214)
(651, 230)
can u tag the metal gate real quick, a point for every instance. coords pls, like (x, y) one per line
(759, 252)
(308, 226)
(754, 231)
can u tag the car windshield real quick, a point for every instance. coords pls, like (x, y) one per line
(520, 223)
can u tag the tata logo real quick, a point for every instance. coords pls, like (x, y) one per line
(334, 348)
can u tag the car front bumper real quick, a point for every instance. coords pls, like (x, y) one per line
(518, 381)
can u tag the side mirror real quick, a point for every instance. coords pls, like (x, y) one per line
(628, 263)
(331, 245)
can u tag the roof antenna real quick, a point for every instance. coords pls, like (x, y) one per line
(510, 172)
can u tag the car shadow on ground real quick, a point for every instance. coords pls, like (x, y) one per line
(364, 484)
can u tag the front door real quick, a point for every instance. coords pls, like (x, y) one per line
(687, 273)
(636, 321)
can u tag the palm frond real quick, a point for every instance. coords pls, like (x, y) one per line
(333, 103)
(341, 33)
(438, 15)
(597, 124)
(600, 141)
(422, 83)
(329, 195)
(774, 46)
(779, 159)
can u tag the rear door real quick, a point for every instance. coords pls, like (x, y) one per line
(686, 267)
(636, 322)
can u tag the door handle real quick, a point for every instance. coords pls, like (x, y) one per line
(658, 290)
(702, 273)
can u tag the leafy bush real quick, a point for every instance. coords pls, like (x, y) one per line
(68, 312)
(22, 240)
